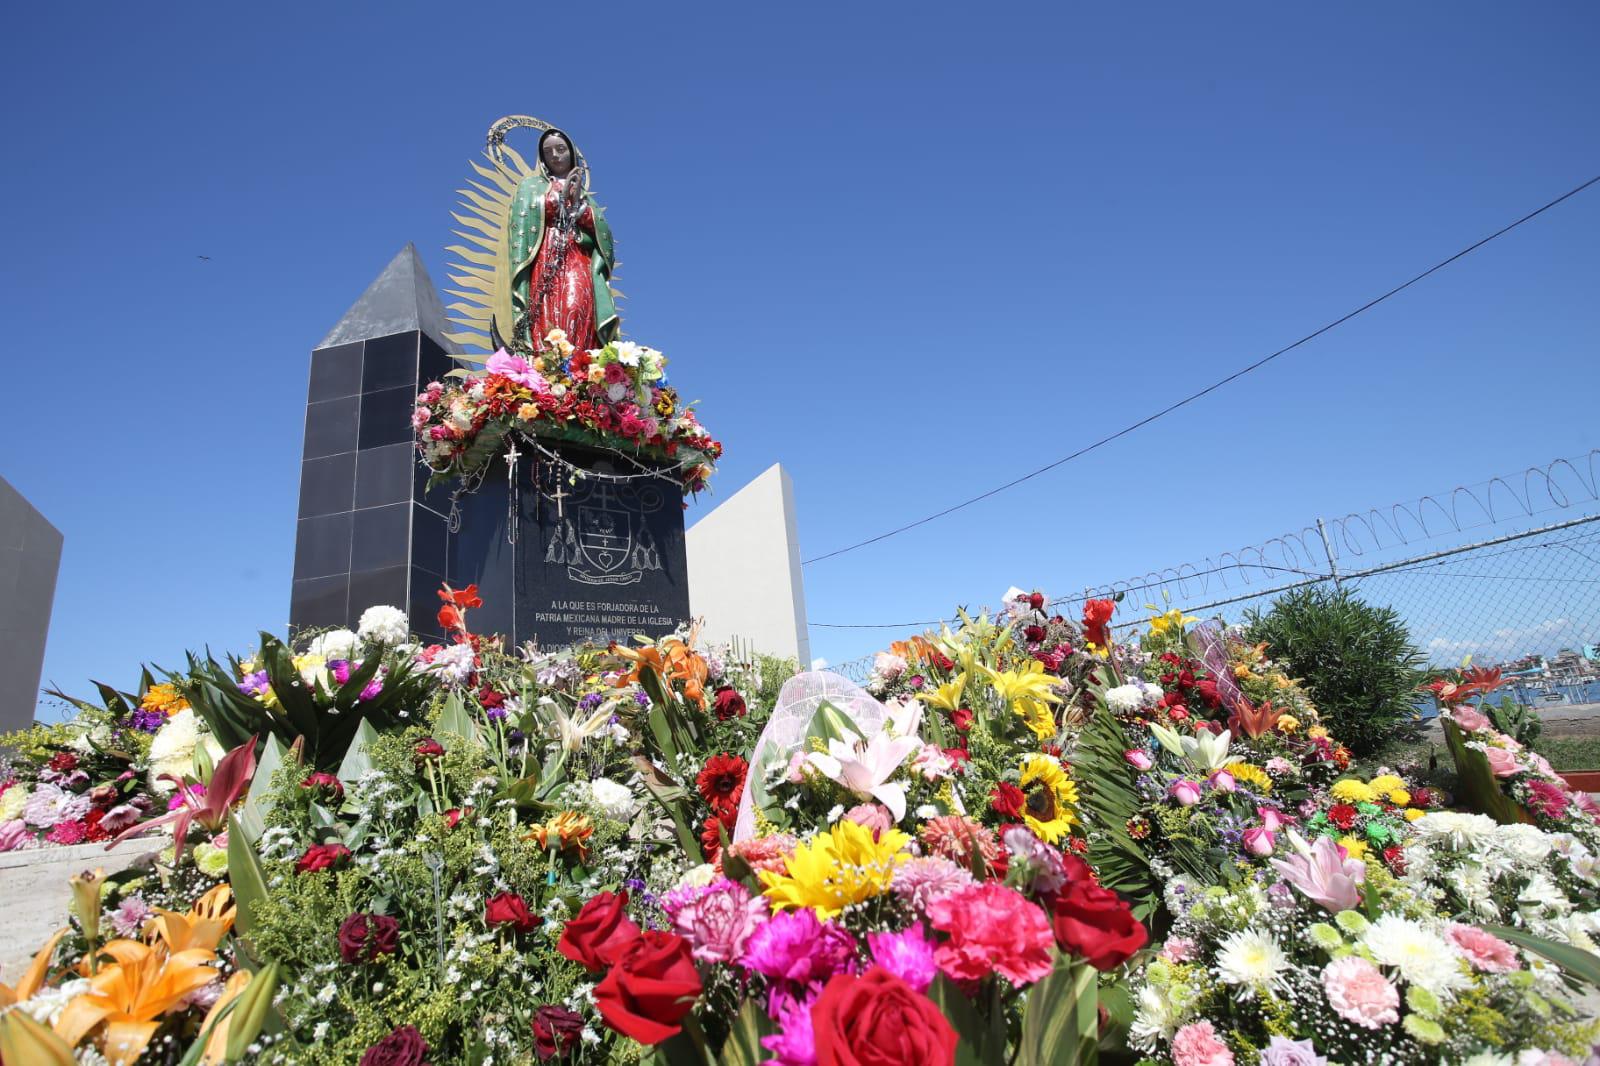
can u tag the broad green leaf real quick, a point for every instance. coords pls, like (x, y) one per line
(455, 721)
(253, 814)
(744, 1041)
(1583, 965)
(1060, 1020)
(251, 1011)
(356, 762)
(966, 1021)
(245, 875)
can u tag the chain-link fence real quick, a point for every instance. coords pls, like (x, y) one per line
(1527, 600)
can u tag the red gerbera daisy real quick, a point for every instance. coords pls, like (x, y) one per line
(721, 781)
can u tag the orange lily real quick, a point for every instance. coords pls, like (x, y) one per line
(1254, 721)
(918, 649)
(131, 994)
(33, 977)
(207, 922)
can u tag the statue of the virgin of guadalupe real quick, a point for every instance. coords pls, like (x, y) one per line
(544, 252)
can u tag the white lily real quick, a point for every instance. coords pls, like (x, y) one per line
(865, 768)
(905, 718)
(1205, 751)
(572, 732)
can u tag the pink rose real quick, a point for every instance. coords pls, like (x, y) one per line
(1259, 841)
(1502, 762)
(1271, 820)
(1139, 759)
(1223, 781)
(874, 816)
(1469, 720)
(1187, 793)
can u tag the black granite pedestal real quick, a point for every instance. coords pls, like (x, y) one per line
(563, 562)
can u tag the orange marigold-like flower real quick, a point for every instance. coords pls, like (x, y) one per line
(164, 699)
(567, 830)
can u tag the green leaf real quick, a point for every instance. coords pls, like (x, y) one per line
(356, 762)
(966, 1021)
(245, 875)
(252, 815)
(253, 1006)
(1061, 1019)
(455, 721)
(1583, 965)
(673, 800)
(744, 1041)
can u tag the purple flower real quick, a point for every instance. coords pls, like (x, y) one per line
(515, 738)
(340, 669)
(641, 699)
(590, 702)
(374, 687)
(1282, 1051)
(48, 806)
(1037, 866)
(255, 684)
(143, 721)
(129, 916)
(497, 714)
(908, 955)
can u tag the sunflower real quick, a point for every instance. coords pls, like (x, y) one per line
(1251, 776)
(835, 869)
(1051, 796)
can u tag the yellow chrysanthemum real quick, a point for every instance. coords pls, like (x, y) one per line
(1288, 723)
(1399, 797)
(1413, 813)
(1356, 848)
(1386, 783)
(1241, 671)
(1316, 732)
(1250, 776)
(835, 869)
(1050, 796)
(1352, 791)
(164, 698)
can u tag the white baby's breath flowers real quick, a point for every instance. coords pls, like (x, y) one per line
(384, 625)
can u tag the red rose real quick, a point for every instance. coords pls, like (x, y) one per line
(364, 937)
(1007, 800)
(961, 718)
(555, 1031)
(403, 1047)
(600, 929)
(428, 749)
(1094, 923)
(1036, 600)
(728, 704)
(508, 908)
(877, 1019)
(326, 784)
(453, 816)
(1033, 634)
(651, 986)
(322, 857)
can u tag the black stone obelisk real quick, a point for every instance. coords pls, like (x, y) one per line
(367, 532)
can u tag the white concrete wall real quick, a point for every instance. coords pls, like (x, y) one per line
(744, 570)
(38, 898)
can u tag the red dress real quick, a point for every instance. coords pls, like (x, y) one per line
(561, 283)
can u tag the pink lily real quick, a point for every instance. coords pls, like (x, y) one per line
(229, 781)
(519, 370)
(865, 768)
(1323, 873)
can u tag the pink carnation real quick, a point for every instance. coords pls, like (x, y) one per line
(1197, 1044)
(67, 833)
(992, 929)
(1359, 993)
(920, 881)
(719, 920)
(909, 955)
(765, 853)
(1484, 950)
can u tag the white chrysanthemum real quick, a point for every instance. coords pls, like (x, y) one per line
(1155, 1019)
(612, 800)
(12, 800)
(1460, 832)
(1422, 956)
(1543, 895)
(1526, 844)
(1124, 699)
(454, 663)
(628, 353)
(1252, 959)
(384, 625)
(698, 876)
(172, 748)
(46, 1005)
(335, 644)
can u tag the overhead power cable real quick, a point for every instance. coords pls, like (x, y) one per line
(1214, 386)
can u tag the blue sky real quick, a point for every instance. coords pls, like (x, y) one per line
(907, 254)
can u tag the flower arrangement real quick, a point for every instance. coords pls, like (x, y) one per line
(616, 397)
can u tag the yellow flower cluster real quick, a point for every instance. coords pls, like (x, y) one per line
(1351, 790)
(1251, 776)
(835, 869)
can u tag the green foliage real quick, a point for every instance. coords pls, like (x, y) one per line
(1357, 660)
(1571, 753)
(1516, 720)
(323, 712)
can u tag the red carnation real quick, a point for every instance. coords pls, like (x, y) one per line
(599, 931)
(1343, 815)
(509, 909)
(652, 984)
(728, 704)
(63, 762)
(721, 781)
(1007, 800)
(322, 857)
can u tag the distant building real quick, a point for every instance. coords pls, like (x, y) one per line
(30, 557)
